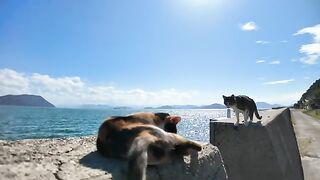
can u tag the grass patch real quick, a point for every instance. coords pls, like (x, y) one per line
(304, 144)
(314, 113)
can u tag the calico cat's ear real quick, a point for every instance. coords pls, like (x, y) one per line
(173, 119)
(223, 96)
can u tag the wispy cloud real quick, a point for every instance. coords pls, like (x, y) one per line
(274, 62)
(263, 42)
(288, 98)
(311, 51)
(73, 91)
(284, 41)
(261, 61)
(286, 81)
(249, 26)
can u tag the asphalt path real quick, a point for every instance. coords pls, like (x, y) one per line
(307, 131)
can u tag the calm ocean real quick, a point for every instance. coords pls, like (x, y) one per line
(33, 122)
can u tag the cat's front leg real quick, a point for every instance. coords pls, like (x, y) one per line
(246, 116)
(237, 122)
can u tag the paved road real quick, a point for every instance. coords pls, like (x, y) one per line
(307, 131)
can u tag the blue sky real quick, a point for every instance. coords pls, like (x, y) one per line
(142, 52)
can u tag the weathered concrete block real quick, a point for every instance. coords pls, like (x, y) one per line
(264, 150)
(77, 158)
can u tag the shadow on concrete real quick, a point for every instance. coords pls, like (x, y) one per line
(118, 168)
(268, 148)
(113, 166)
(251, 125)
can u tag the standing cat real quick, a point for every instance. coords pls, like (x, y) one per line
(242, 104)
(142, 139)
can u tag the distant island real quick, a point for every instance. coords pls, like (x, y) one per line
(24, 100)
(260, 105)
(212, 106)
(264, 105)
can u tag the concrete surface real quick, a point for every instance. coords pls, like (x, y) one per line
(264, 150)
(307, 131)
(76, 158)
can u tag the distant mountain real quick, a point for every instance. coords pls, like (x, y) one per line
(148, 107)
(211, 106)
(311, 98)
(95, 106)
(24, 100)
(260, 105)
(264, 105)
(165, 107)
(122, 107)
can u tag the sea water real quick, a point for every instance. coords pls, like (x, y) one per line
(34, 122)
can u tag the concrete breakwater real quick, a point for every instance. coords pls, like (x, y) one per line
(76, 158)
(265, 150)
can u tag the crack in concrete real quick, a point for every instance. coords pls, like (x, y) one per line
(311, 156)
(59, 169)
(96, 176)
(72, 149)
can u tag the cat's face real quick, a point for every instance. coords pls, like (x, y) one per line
(229, 100)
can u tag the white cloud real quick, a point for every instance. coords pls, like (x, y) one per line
(57, 84)
(278, 82)
(284, 41)
(263, 42)
(274, 62)
(12, 81)
(312, 51)
(288, 98)
(260, 61)
(249, 26)
(73, 91)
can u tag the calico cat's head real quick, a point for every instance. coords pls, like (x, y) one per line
(229, 100)
(164, 121)
(170, 122)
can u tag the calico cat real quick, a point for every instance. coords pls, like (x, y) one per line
(242, 104)
(143, 139)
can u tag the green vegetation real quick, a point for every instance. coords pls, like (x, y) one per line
(311, 98)
(314, 113)
(304, 145)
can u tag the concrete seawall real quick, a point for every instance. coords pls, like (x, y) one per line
(76, 158)
(264, 150)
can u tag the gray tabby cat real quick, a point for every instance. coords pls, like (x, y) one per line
(242, 104)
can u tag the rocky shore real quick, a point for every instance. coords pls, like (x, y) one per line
(76, 158)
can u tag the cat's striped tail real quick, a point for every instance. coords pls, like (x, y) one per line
(257, 114)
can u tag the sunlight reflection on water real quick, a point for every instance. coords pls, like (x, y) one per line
(31, 122)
